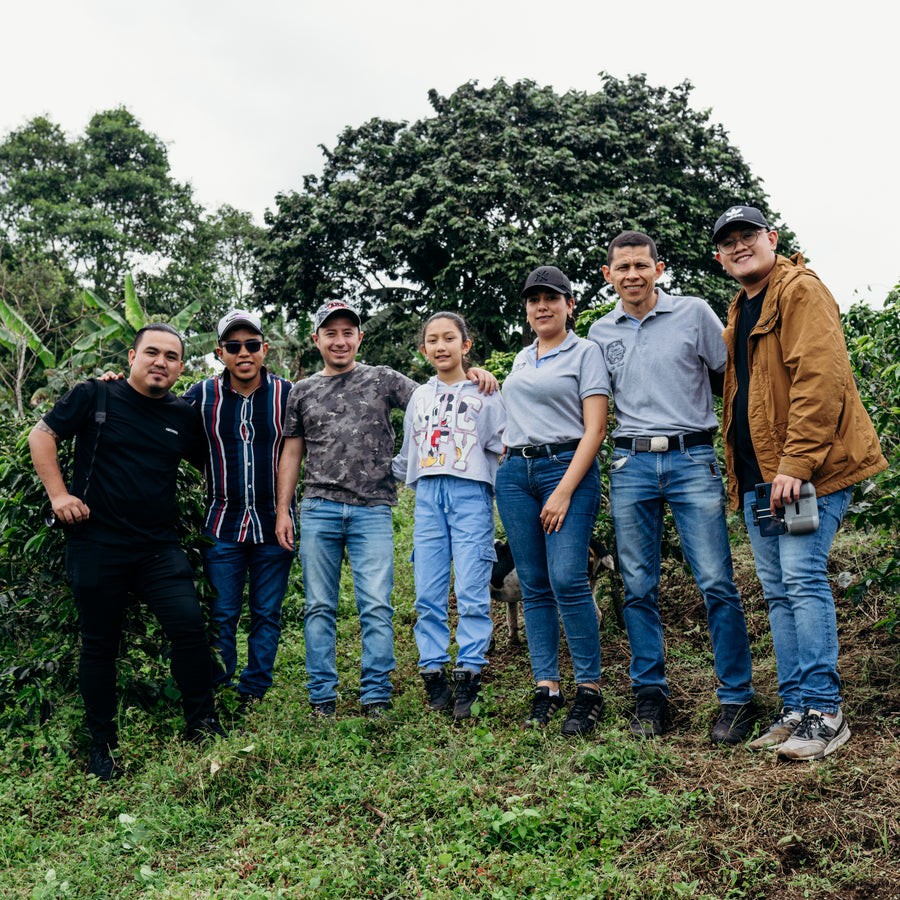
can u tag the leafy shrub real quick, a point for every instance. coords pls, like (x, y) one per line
(873, 342)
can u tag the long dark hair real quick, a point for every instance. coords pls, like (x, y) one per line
(461, 327)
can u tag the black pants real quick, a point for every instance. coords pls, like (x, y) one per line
(102, 578)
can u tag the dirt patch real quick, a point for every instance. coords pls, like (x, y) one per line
(769, 826)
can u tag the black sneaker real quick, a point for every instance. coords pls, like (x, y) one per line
(205, 730)
(247, 703)
(468, 683)
(101, 764)
(734, 723)
(544, 707)
(377, 709)
(439, 692)
(651, 716)
(586, 709)
(326, 709)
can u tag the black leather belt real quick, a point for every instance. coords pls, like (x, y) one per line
(663, 444)
(536, 450)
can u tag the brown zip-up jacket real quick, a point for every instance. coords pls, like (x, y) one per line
(806, 417)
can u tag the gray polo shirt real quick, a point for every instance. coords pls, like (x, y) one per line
(658, 367)
(543, 397)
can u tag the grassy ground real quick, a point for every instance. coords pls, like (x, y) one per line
(417, 807)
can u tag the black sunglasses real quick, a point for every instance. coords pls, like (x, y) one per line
(234, 347)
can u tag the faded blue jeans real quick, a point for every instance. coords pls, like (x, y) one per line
(454, 521)
(792, 570)
(552, 568)
(227, 565)
(689, 481)
(367, 532)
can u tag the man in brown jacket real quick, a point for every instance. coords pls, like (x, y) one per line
(792, 414)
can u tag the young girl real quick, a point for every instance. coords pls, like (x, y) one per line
(451, 442)
(548, 495)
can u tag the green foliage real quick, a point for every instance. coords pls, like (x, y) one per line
(452, 211)
(38, 634)
(95, 211)
(873, 342)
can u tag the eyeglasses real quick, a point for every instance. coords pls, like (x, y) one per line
(234, 347)
(747, 238)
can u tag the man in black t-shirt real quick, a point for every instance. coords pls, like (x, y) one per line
(120, 526)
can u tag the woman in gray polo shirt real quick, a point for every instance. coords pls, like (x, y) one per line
(548, 495)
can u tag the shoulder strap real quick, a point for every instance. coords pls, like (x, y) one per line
(102, 391)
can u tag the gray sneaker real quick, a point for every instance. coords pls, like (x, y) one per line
(815, 737)
(781, 728)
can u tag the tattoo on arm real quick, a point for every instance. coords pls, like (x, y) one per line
(42, 426)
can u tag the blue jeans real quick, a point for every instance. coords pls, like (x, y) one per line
(454, 521)
(792, 570)
(227, 565)
(688, 479)
(367, 533)
(552, 568)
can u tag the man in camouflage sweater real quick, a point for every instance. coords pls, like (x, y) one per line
(339, 419)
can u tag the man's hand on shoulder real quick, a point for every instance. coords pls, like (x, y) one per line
(111, 376)
(486, 382)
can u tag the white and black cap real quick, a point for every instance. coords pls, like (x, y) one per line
(239, 318)
(739, 215)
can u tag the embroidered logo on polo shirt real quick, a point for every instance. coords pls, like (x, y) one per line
(615, 354)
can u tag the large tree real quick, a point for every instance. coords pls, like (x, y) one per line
(101, 204)
(98, 208)
(455, 209)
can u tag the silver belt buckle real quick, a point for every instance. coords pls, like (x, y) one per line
(526, 454)
(659, 445)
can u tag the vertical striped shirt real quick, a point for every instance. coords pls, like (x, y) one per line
(244, 437)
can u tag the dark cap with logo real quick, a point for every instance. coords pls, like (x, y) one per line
(335, 307)
(238, 318)
(548, 277)
(738, 215)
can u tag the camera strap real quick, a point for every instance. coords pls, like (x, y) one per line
(99, 417)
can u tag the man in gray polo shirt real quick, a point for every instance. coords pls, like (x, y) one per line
(659, 351)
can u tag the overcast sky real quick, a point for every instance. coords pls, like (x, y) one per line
(244, 92)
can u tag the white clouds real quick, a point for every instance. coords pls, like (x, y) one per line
(244, 93)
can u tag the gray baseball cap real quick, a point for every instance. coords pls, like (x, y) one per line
(335, 307)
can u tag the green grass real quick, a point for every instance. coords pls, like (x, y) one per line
(415, 806)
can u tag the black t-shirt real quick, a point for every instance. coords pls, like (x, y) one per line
(131, 491)
(748, 472)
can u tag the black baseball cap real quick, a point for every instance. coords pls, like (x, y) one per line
(548, 277)
(739, 215)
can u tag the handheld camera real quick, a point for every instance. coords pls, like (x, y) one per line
(798, 517)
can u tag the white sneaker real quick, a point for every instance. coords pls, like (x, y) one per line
(816, 736)
(782, 727)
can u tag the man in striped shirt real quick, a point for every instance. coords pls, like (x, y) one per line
(243, 417)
